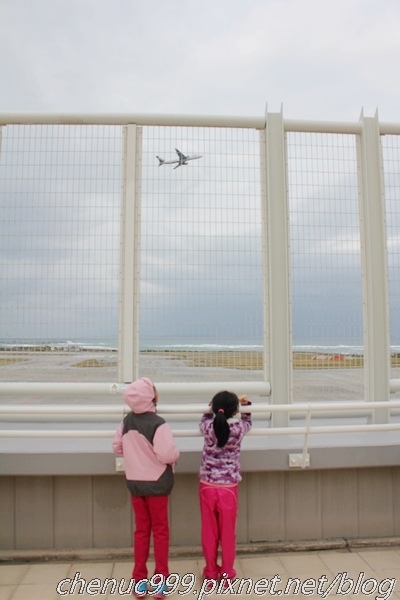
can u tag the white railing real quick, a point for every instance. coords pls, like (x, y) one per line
(34, 388)
(23, 412)
(182, 120)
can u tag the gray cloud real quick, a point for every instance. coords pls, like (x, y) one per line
(321, 59)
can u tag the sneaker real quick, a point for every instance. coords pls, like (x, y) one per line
(216, 574)
(160, 591)
(225, 584)
(140, 589)
(209, 585)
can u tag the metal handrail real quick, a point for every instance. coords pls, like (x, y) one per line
(256, 431)
(34, 388)
(44, 388)
(22, 412)
(193, 408)
(186, 120)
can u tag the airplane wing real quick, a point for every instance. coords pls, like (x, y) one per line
(181, 156)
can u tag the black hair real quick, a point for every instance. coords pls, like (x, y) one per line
(224, 405)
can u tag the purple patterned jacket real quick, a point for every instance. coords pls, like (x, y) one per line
(222, 465)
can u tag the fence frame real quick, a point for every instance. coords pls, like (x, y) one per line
(276, 273)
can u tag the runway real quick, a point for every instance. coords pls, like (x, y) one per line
(314, 385)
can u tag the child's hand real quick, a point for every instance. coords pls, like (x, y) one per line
(244, 400)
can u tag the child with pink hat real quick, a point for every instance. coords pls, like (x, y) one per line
(145, 441)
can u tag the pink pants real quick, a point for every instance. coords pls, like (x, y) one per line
(151, 516)
(218, 505)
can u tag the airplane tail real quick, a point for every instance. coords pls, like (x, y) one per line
(161, 161)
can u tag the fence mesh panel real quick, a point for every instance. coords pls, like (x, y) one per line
(325, 266)
(391, 164)
(59, 241)
(201, 271)
(201, 301)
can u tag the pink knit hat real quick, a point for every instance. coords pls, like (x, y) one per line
(139, 396)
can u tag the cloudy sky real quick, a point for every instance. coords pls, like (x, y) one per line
(320, 59)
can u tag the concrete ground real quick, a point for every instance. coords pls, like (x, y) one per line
(363, 573)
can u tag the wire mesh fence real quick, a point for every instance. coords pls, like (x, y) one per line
(391, 168)
(203, 251)
(59, 243)
(201, 268)
(325, 265)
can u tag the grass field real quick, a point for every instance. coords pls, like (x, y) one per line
(254, 360)
(246, 360)
(10, 361)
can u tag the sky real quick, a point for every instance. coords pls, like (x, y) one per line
(317, 59)
(314, 59)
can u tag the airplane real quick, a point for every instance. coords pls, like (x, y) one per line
(182, 159)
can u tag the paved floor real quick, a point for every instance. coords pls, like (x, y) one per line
(367, 573)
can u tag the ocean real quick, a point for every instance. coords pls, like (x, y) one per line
(209, 345)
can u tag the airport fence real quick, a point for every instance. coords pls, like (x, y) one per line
(272, 259)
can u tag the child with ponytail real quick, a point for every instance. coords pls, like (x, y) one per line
(223, 429)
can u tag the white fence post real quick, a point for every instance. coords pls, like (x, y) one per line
(130, 256)
(374, 265)
(276, 256)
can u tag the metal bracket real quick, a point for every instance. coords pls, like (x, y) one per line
(299, 461)
(302, 460)
(119, 464)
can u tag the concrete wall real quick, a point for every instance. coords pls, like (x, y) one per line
(62, 512)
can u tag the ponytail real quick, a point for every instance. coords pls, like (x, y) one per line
(224, 406)
(221, 429)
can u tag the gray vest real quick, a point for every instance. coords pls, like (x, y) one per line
(146, 424)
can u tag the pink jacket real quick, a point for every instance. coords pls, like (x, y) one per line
(145, 441)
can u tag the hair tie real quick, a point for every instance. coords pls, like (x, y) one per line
(221, 410)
